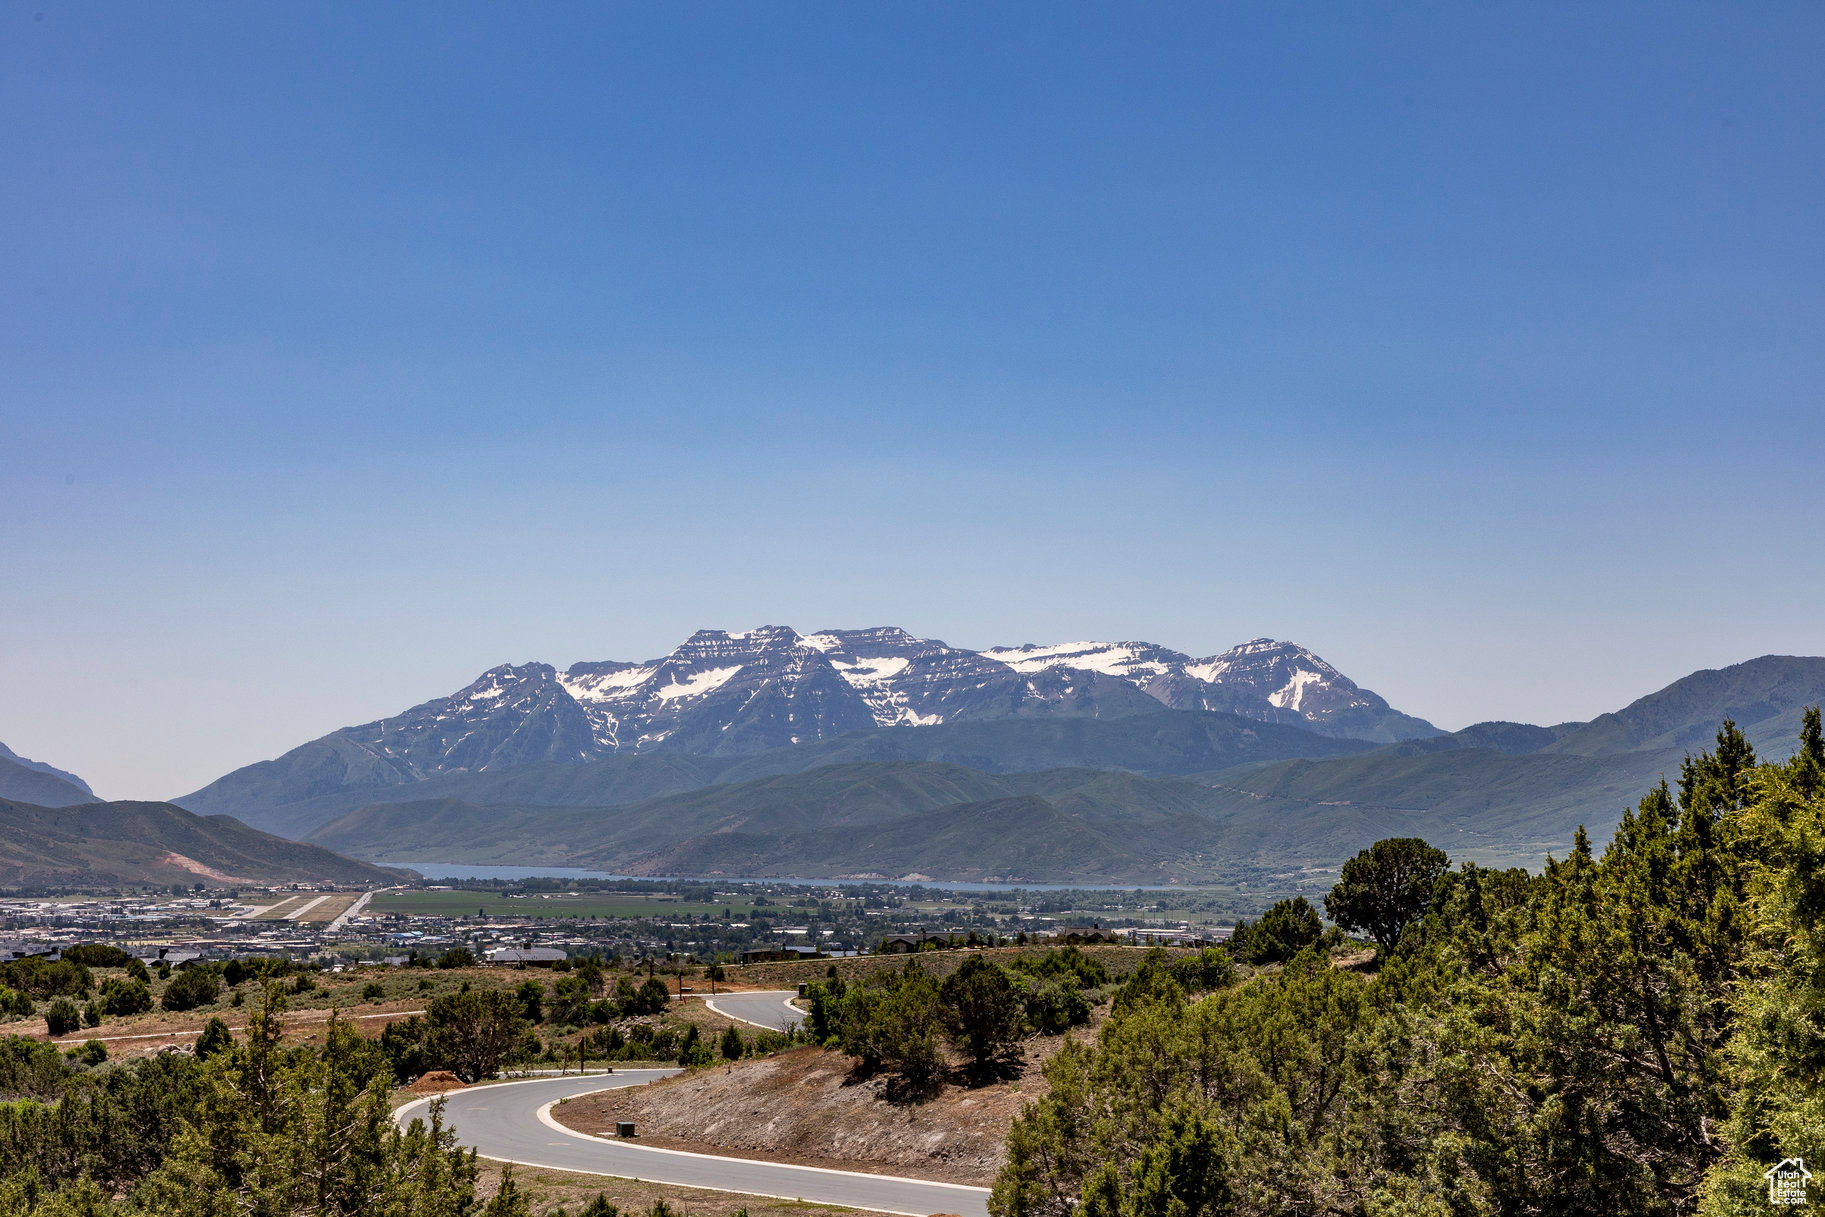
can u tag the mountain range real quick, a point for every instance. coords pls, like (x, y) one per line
(721, 695)
(96, 844)
(37, 782)
(55, 834)
(872, 752)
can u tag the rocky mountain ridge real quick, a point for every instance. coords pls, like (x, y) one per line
(741, 693)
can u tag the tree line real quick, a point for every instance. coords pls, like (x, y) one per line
(907, 1024)
(1636, 1031)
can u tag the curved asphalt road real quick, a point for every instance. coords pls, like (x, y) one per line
(772, 1009)
(511, 1122)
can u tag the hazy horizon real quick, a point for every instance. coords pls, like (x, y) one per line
(351, 352)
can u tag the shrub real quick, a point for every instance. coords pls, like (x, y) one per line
(136, 970)
(825, 1018)
(373, 991)
(403, 1045)
(120, 998)
(1286, 929)
(14, 1004)
(1054, 1006)
(691, 1048)
(215, 1038)
(62, 1018)
(570, 1004)
(1208, 970)
(733, 1047)
(1151, 981)
(65, 978)
(456, 957)
(472, 1034)
(97, 955)
(651, 998)
(188, 990)
(92, 1053)
(531, 996)
(983, 1015)
(1065, 963)
(256, 967)
(895, 1021)
(304, 982)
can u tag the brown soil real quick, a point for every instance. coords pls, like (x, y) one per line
(804, 1107)
(435, 1082)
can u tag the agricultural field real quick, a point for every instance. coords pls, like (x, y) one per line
(327, 909)
(470, 902)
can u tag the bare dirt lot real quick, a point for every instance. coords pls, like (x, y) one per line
(804, 1107)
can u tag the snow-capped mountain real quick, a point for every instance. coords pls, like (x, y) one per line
(720, 693)
(1262, 678)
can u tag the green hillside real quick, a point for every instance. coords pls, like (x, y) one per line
(902, 817)
(1765, 697)
(109, 844)
(303, 791)
(33, 785)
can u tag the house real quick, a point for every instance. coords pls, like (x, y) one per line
(11, 952)
(171, 957)
(908, 944)
(770, 954)
(525, 957)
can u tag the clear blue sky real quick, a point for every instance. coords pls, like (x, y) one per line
(348, 350)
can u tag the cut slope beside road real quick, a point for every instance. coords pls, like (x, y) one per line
(511, 1122)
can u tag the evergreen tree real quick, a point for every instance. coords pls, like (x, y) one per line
(1385, 888)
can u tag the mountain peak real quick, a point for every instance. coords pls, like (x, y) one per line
(741, 692)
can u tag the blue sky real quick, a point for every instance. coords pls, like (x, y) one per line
(346, 351)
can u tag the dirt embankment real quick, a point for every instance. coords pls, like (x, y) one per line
(803, 1107)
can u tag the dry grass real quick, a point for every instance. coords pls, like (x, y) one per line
(789, 974)
(405, 992)
(553, 1190)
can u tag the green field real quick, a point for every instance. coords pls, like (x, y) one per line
(555, 904)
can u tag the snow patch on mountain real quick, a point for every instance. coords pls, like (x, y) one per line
(756, 689)
(1289, 697)
(875, 671)
(605, 686)
(698, 684)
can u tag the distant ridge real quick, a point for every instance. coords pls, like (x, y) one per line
(36, 782)
(98, 844)
(722, 694)
(1072, 742)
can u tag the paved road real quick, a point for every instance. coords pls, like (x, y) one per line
(511, 1122)
(770, 1009)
